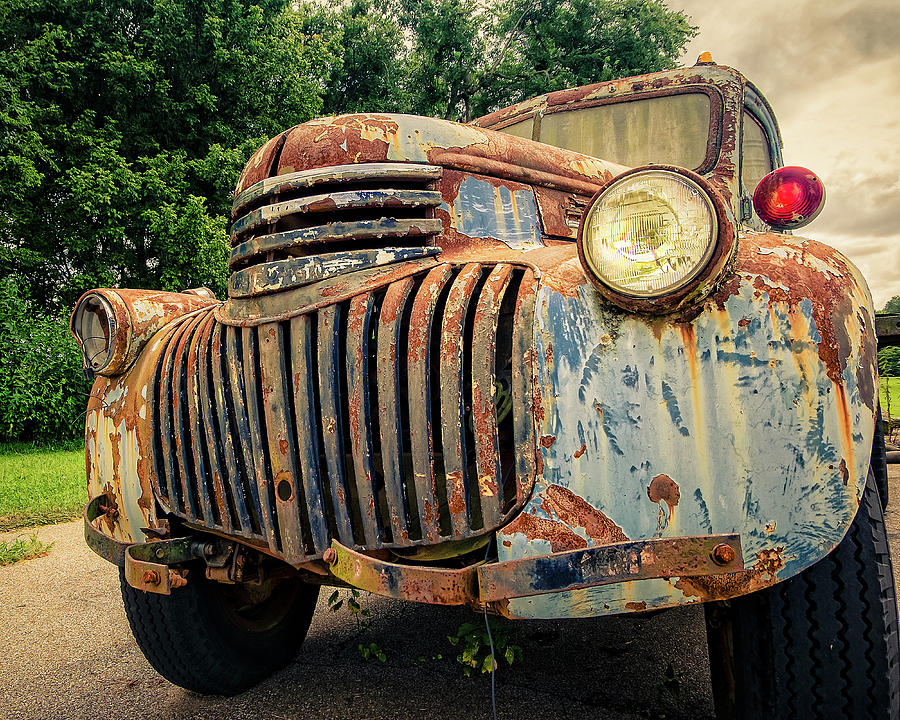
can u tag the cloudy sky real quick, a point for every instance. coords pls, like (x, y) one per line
(831, 70)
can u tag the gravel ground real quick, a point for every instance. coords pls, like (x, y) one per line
(67, 652)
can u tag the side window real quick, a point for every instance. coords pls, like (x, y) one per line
(671, 129)
(756, 160)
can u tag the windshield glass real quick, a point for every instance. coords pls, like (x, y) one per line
(671, 129)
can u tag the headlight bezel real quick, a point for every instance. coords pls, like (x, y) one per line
(700, 281)
(93, 361)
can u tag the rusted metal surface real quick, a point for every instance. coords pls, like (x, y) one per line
(607, 564)
(256, 310)
(137, 315)
(276, 183)
(105, 546)
(387, 230)
(723, 85)
(421, 396)
(490, 476)
(391, 376)
(421, 420)
(360, 420)
(436, 586)
(147, 564)
(497, 583)
(280, 275)
(381, 198)
(360, 383)
(453, 399)
(378, 138)
(755, 416)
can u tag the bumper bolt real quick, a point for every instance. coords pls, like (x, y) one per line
(723, 554)
(330, 556)
(151, 577)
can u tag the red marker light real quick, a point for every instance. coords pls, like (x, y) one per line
(789, 198)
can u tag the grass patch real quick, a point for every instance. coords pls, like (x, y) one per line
(22, 548)
(889, 396)
(40, 485)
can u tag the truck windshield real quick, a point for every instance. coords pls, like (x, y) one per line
(670, 129)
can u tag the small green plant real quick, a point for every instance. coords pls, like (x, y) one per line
(22, 548)
(359, 613)
(475, 644)
(371, 651)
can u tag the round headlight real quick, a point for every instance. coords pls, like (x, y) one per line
(649, 233)
(93, 323)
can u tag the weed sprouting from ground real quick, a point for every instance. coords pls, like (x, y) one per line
(22, 548)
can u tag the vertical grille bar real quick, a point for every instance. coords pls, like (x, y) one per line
(359, 321)
(420, 420)
(282, 456)
(202, 474)
(453, 404)
(307, 434)
(389, 326)
(484, 413)
(523, 401)
(245, 356)
(226, 439)
(179, 401)
(329, 327)
(238, 404)
(164, 404)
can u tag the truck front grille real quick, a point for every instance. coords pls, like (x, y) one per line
(398, 418)
(294, 229)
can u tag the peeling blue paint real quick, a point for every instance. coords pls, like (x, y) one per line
(489, 210)
(743, 418)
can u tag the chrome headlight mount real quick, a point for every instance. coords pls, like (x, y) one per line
(656, 239)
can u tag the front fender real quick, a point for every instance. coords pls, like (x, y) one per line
(755, 417)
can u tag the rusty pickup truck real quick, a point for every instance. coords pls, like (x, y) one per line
(565, 361)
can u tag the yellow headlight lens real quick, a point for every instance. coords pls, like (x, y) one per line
(649, 233)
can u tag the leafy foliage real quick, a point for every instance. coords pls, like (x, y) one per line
(42, 390)
(458, 60)
(475, 646)
(892, 306)
(889, 362)
(125, 124)
(371, 651)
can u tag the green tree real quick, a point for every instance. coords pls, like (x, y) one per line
(371, 72)
(459, 59)
(889, 362)
(43, 392)
(124, 126)
(892, 306)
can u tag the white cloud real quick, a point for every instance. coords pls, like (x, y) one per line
(831, 71)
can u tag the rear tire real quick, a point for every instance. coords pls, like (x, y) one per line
(823, 644)
(219, 639)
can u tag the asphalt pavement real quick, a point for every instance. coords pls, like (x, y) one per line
(66, 652)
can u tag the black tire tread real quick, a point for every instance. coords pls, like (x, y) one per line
(184, 641)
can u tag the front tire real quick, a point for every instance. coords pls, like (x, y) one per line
(823, 644)
(218, 639)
